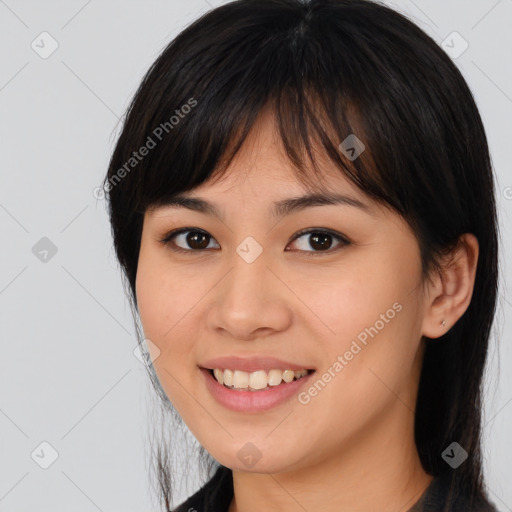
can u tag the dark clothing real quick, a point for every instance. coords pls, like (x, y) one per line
(217, 493)
(434, 499)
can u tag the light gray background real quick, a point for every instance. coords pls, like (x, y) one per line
(68, 373)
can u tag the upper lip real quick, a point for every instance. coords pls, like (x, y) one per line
(251, 364)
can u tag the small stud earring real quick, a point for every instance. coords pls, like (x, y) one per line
(443, 323)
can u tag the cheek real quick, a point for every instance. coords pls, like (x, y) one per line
(371, 311)
(163, 303)
(351, 298)
(152, 302)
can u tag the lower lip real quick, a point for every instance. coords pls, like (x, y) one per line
(253, 401)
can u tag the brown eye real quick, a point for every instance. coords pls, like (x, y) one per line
(319, 241)
(188, 240)
(197, 240)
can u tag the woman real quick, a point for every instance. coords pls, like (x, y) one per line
(302, 204)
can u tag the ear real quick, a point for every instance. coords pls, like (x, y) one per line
(449, 294)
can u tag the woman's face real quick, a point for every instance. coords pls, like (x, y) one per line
(249, 288)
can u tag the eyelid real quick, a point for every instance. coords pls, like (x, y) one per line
(167, 239)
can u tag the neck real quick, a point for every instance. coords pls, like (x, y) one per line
(369, 472)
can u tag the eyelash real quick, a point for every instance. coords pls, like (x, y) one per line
(172, 246)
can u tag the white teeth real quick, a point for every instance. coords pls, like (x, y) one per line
(219, 375)
(257, 380)
(288, 375)
(228, 378)
(275, 377)
(254, 381)
(240, 379)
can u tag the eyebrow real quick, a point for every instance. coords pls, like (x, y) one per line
(280, 208)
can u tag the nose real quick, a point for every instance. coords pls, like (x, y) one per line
(250, 301)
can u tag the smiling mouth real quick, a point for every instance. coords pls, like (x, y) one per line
(260, 380)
